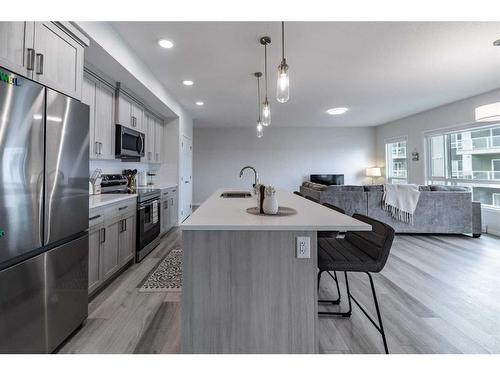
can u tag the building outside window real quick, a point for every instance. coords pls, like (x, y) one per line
(396, 161)
(469, 157)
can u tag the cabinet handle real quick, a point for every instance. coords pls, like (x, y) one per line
(125, 223)
(39, 63)
(100, 148)
(122, 208)
(103, 235)
(30, 63)
(94, 217)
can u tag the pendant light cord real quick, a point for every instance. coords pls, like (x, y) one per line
(265, 66)
(282, 40)
(258, 95)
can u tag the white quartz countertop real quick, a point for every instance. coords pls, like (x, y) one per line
(218, 213)
(100, 200)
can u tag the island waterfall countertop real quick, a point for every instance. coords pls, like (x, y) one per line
(218, 213)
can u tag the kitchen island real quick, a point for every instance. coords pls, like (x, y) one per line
(248, 287)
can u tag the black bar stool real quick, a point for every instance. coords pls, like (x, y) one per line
(358, 252)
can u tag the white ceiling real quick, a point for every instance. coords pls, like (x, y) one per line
(381, 71)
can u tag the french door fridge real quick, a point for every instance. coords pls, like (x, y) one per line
(44, 170)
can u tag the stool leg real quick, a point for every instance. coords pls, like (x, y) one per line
(344, 314)
(381, 327)
(334, 277)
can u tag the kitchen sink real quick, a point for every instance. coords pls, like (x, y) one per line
(236, 194)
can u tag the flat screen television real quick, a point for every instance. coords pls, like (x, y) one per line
(328, 179)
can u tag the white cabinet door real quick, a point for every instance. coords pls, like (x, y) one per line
(104, 120)
(88, 97)
(123, 110)
(110, 254)
(150, 139)
(58, 59)
(159, 143)
(95, 235)
(137, 117)
(127, 238)
(15, 39)
(173, 207)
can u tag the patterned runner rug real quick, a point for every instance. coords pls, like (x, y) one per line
(168, 275)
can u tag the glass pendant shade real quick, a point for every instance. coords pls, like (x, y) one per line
(488, 112)
(266, 114)
(283, 86)
(260, 129)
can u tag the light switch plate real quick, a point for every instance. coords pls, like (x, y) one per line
(303, 248)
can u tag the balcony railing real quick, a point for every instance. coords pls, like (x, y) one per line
(479, 143)
(476, 175)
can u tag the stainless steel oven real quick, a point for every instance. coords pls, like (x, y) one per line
(130, 144)
(148, 222)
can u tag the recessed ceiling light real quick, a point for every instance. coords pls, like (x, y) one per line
(199, 103)
(337, 111)
(165, 43)
(187, 82)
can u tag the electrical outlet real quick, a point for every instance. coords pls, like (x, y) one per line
(303, 247)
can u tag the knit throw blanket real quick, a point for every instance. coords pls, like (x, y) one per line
(400, 200)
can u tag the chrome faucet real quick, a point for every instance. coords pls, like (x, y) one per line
(256, 181)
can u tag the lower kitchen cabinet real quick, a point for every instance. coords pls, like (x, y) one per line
(112, 237)
(168, 217)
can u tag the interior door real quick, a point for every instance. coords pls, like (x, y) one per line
(67, 167)
(21, 166)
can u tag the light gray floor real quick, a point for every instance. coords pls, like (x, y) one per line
(438, 294)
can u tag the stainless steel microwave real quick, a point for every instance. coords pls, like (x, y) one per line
(130, 144)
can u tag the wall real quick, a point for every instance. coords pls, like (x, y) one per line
(456, 114)
(284, 157)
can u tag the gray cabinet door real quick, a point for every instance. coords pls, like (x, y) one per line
(137, 116)
(59, 59)
(110, 254)
(89, 98)
(127, 239)
(95, 239)
(165, 215)
(15, 39)
(173, 208)
(104, 120)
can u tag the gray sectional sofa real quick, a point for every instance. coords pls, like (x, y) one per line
(440, 209)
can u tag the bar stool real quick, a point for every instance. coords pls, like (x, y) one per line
(358, 252)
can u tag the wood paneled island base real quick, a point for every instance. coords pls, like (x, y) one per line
(247, 292)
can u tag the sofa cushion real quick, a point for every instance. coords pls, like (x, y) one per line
(313, 185)
(373, 187)
(344, 188)
(449, 188)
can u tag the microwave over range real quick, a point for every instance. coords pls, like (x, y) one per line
(130, 144)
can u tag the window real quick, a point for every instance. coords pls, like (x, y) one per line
(396, 161)
(469, 157)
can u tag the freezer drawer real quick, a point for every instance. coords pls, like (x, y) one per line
(44, 299)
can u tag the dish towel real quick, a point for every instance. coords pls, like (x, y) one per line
(400, 200)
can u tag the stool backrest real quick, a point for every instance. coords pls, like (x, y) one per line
(377, 243)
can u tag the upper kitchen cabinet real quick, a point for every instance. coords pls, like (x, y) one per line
(129, 112)
(100, 97)
(48, 52)
(154, 134)
(16, 47)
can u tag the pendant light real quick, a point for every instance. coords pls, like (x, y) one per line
(283, 84)
(260, 128)
(489, 112)
(266, 109)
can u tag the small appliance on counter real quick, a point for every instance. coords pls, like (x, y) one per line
(151, 175)
(148, 211)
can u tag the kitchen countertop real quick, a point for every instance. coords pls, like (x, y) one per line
(158, 186)
(218, 213)
(100, 200)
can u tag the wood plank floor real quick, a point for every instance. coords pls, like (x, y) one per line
(437, 294)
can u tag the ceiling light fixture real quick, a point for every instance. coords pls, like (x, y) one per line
(337, 111)
(266, 109)
(164, 43)
(283, 85)
(199, 103)
(187, 82)
(259, 128)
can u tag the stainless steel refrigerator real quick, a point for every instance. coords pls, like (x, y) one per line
(44, 166)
